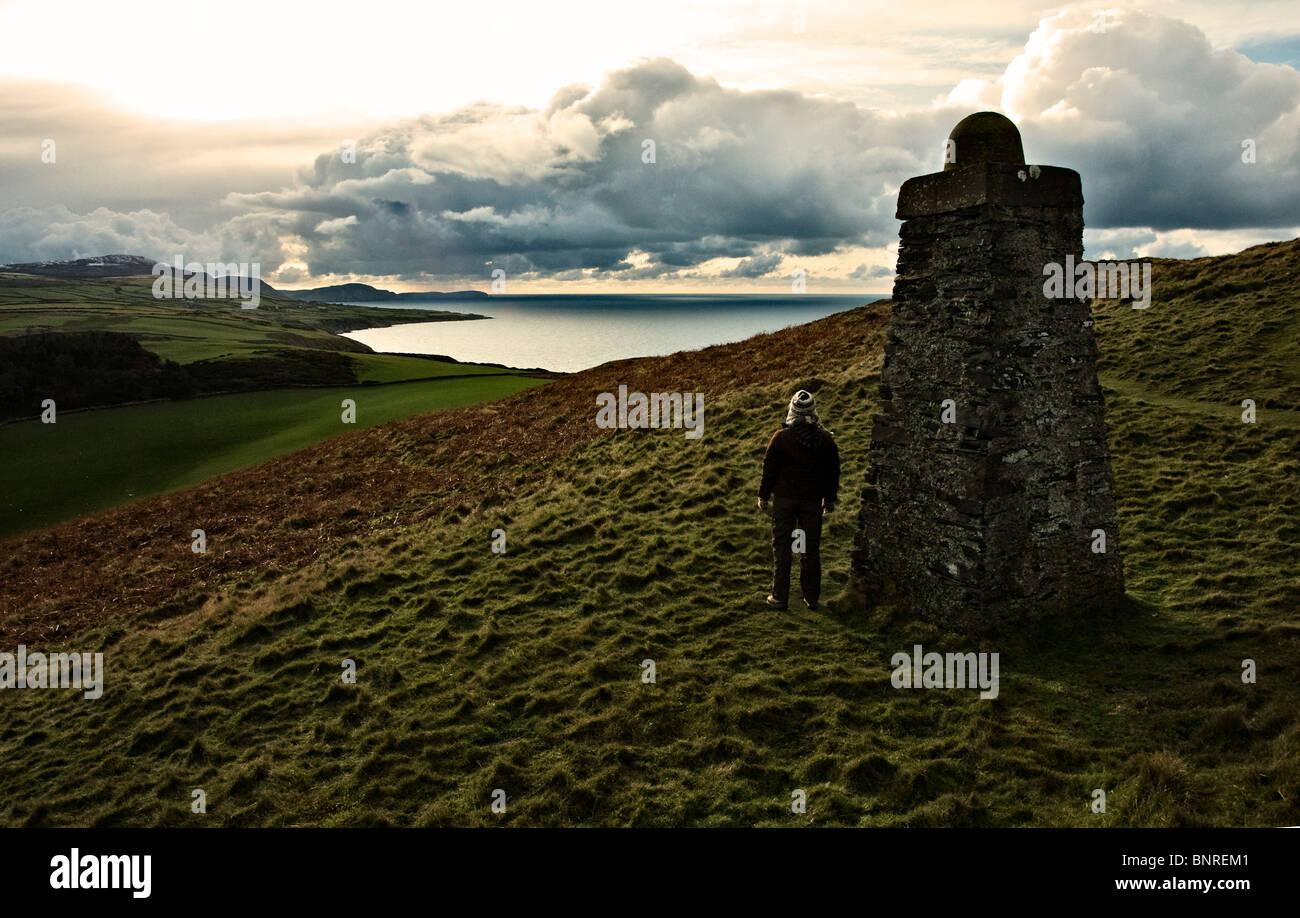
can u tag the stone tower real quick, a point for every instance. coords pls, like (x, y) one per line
(990, 495)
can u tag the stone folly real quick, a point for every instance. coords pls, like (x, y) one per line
(990, 494)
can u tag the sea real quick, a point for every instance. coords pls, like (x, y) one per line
(567, 333)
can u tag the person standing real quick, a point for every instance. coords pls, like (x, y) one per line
(801, 481)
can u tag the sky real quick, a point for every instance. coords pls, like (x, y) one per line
(622, 147)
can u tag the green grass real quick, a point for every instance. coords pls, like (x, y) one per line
(183, 338)
(191, 330)
(385, 368)
(95, 460)
(92, 460)
(1219, 330)
(522, 671)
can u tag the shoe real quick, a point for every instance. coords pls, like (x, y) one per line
(812, 605)
(775, 603)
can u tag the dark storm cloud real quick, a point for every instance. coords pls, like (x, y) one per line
(757, 266)
(655, 160)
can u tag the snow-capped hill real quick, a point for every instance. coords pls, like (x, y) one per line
(97, 266)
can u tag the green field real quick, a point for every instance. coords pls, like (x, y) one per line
(170, 331)
(92, 460)
(190, 331)
(386, 368)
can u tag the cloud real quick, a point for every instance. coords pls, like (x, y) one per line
(1139, 242)
(655, 172)
(1154, 118)
(106, 157)
(1148, 112)
(39, 234)
(337, 225)
(655, 159)
(757, 266)
(862, 272)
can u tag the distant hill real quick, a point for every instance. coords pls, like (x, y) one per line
(364, 293)
(100, 266)
(137, 265)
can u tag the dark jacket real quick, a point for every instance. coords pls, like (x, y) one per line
(802, 463)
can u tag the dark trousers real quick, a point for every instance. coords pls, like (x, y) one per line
(787, 516)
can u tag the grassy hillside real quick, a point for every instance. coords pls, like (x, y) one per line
(94, 460)
(227, 347)
(522, 670)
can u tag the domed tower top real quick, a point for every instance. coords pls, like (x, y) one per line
(984, 137)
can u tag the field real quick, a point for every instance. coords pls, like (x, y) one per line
(523, 671)
(94, 460)
(245, 346)
(97, 459)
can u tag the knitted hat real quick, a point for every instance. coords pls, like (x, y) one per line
(802, 408)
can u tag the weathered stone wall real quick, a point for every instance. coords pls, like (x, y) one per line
(990, 519)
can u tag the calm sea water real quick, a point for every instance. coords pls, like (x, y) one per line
(570, 333)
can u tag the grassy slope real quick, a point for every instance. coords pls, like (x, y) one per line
(94, 460)
(211, 330)
(386, 368)
(522, 671)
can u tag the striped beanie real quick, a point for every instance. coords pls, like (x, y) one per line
(802, 408)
